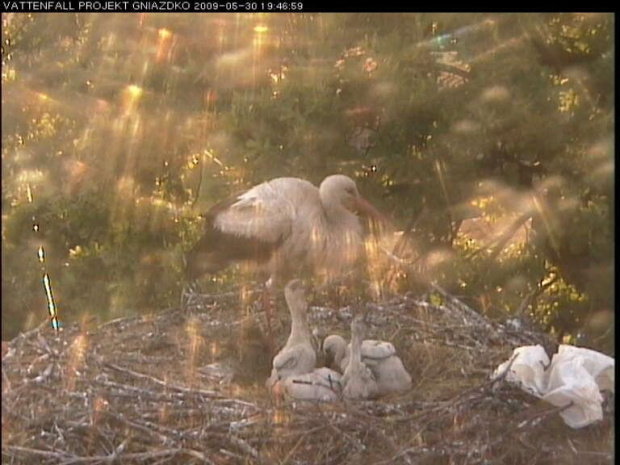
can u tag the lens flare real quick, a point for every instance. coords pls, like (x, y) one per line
(195, 344)
(51, 305)
(163, 45)
(76, 359)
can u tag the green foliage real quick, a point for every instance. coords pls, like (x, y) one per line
(122, 129)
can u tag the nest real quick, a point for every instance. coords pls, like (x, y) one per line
(186, 385)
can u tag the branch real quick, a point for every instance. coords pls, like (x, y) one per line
(135, 374)
(477, 317)
(535, 293)
(498, 243)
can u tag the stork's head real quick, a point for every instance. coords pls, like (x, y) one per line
(358, 327)
(339, 190)
(334, 347)
(295, 295)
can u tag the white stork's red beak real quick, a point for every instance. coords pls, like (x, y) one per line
(364, 206)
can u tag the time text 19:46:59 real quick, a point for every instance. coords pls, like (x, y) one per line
(248, 6)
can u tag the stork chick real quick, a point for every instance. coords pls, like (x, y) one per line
(358, 380)
(297, 357)
(321, 385)
(379, 356)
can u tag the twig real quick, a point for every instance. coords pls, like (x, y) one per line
(407, 231)
(119, 417)
(138, 456)
(329, 423)
(475, 316)
(293, 450)
(6, 384)
(532, 295)
(243, 445)
(544, 414)
(500, 241)
(39, 452)
(162, 383)
(32, 332)
(501, 375)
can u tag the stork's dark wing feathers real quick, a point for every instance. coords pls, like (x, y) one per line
(217, 249)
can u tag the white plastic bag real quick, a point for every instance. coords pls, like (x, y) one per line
(574, 375)
(527, 369)
(599, 366)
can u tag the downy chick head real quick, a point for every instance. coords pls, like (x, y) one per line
(295, 295)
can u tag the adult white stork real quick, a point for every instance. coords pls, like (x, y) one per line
(282, 225)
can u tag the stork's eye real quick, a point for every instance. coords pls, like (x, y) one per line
(350, 191)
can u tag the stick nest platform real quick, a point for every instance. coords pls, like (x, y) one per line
(186, 386)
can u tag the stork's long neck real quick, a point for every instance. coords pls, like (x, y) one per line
(342, 224)
(340, 352)
(299, 327)
(340, 237)
(356, 348)
(335, 212)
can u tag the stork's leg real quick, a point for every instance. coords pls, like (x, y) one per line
(187, 293)
(268, 306)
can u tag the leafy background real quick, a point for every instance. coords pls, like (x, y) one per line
(488, 138)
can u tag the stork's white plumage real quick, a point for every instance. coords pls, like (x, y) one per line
(283, 224)
(379, 356)
(321, 385)
(297, 357)
(358, 381)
